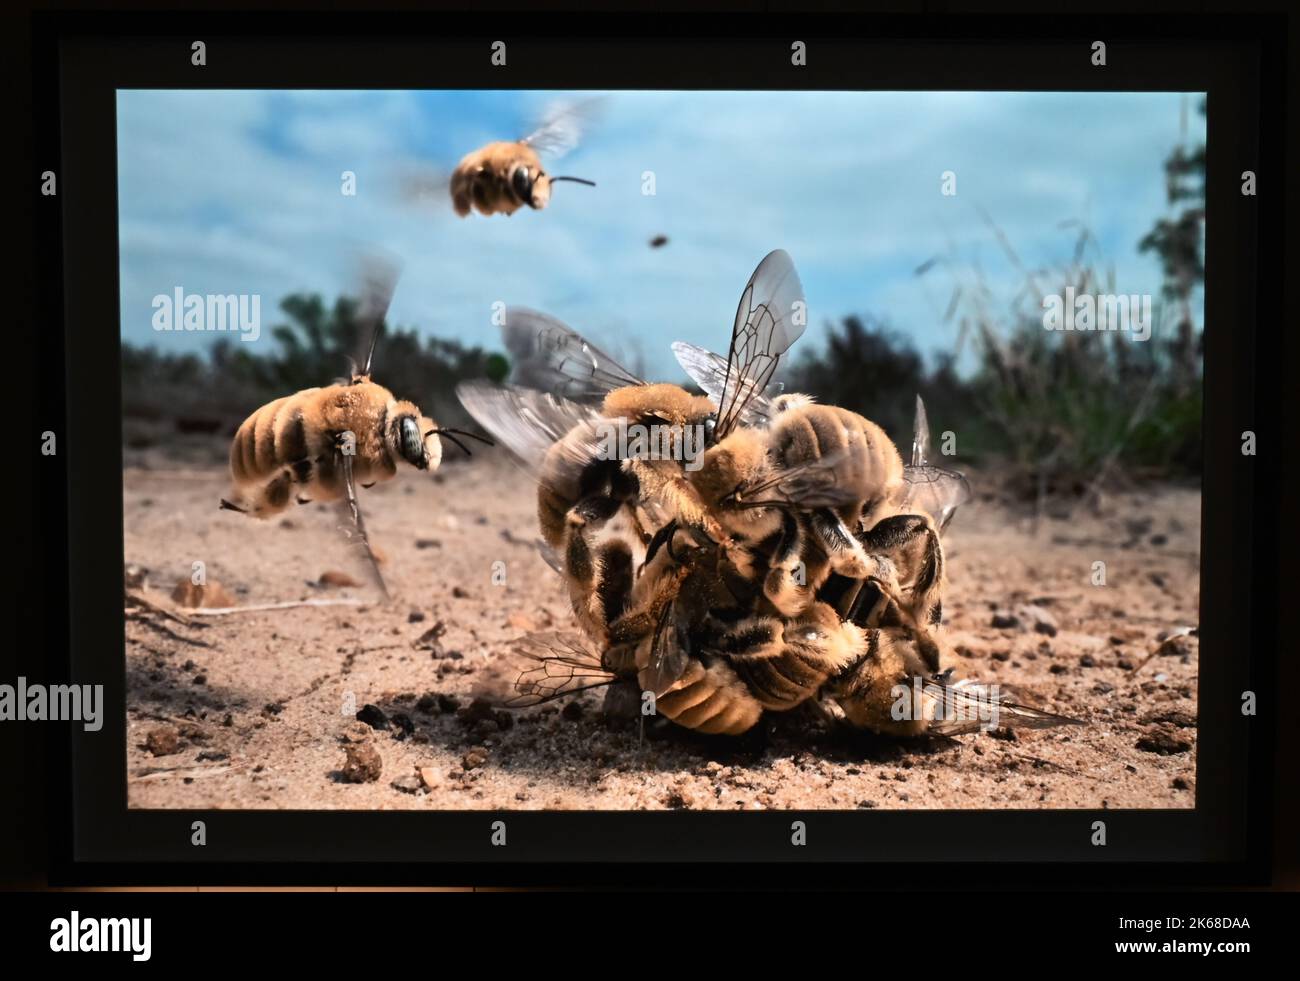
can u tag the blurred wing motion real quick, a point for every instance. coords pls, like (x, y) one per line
(966, 706)
(934, 490)
(379, 275)
(529, 423)
(562, 127)
(770, 317)
(551, 356)
(557, 664)
(709, 371)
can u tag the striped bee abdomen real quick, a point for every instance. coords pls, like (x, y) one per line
(710, 699)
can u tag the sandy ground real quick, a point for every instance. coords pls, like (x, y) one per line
(250, 710)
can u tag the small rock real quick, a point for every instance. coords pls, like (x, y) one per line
(402, 726)
(336, 580)
(1005, 620)
(1181, 784)
(211, 595)
(475, 758)
(428, 777)
(1165, 740)
(212, 756)
(200, 679)
(163, 740)
(1087, 661)
(410, 784)
(355, 732)
(459, 592)
(373, 716)
(428, 704)
(363, 764)
(415, 616)
(427, 543)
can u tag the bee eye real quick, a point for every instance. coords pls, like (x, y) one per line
(409, 441)
(522, 182)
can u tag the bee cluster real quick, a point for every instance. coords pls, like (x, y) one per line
(796, 560)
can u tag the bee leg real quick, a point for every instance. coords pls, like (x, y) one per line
(786, 583)
(911, 543)
(227, 506)
(344, 461)
(844, 551)
(664, 481)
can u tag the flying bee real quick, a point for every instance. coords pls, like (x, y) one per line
(319, 443)
(506, 175)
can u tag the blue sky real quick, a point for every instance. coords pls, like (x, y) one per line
(239, 192)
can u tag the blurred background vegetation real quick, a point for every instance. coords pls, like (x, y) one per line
(1054, 414)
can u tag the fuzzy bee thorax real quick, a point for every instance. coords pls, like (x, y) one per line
(671, 403)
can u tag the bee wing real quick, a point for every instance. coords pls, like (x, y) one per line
(669, 653)
(813, 484)
(769, 318)
(556, 664)
(967, 706)
(920, 435)
(934, 490)
(379, 275)
(709, 371)
(528, 422)
(551, 356)
(562, 127)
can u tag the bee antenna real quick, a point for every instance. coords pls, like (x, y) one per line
(448, 434)
(576, 180)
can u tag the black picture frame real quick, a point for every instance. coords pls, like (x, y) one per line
(82, 60)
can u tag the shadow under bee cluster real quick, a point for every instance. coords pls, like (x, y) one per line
(761, 553)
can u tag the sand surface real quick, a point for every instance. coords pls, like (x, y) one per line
(251, 710)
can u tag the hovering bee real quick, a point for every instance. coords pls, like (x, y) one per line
(506, 175)
(319, 443)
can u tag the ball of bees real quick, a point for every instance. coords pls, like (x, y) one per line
(795, 560)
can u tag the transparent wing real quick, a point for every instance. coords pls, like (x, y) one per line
(769, 318)
(935, 491)
(529, 423)
(709, 371)
(815, 484)
(920, 436)
(557, 664)
(550, 356)
(378, 275)
(967, 707)
(562, 127)
(669, 653)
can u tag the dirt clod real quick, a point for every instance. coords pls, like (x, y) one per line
(163, 740)
(363, 763)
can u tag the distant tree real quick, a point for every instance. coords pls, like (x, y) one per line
(1177, 241)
